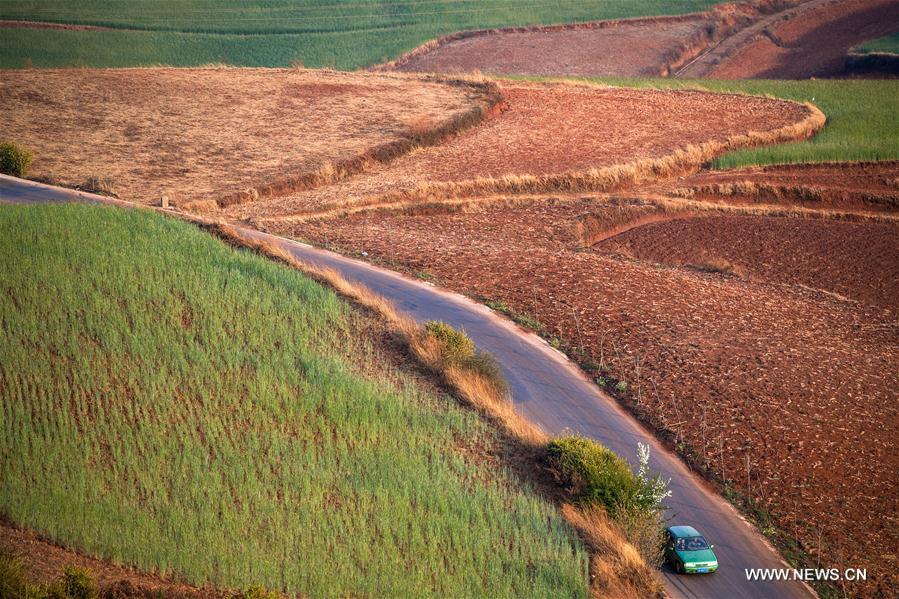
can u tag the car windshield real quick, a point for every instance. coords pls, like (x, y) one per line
(692, 544)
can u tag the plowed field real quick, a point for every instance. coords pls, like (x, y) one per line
(867, 186)
(813, 43)
(859, 261)
(639, 47)
(780, 380)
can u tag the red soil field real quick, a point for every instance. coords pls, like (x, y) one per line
(45, 562)
(859, 261)
(866, 186)
(651, 46)
(638, 47)
(555, 130)
(800, 382)
(813, 43)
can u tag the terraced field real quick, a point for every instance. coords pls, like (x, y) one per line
(721, 255)
(557, 137)
(142, 133)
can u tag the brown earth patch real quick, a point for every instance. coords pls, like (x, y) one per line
(867, 186)
(799, 382)
(651, 46)
(200, 134)
(622, 49)
(859, 261)
(812, 42)
(45, 562)
(561, 137)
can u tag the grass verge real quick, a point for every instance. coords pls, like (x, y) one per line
(177, 405)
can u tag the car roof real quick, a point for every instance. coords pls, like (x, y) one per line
(684, 531)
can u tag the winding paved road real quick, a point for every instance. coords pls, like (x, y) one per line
(552, 392)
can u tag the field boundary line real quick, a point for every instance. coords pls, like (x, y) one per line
(685, 160)
(726, 20)
(489, 104)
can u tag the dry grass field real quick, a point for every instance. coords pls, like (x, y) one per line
(198, 134)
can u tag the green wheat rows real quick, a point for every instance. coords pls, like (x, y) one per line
(344, 34)
(172, 403)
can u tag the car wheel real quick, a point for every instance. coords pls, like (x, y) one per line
(679, 567)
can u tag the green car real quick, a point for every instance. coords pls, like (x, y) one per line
(688, 552)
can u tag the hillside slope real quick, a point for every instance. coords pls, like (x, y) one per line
(189, 409)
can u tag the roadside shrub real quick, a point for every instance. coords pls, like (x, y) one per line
(457, 347)
(594, 472)
(14, 160)
(599, 476)
(602, 479)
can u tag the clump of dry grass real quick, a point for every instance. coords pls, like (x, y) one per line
(99, 185)
(718, 265)
(616, 567)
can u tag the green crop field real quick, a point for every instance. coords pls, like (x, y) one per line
(342, 34)
(172, 403)
(861, 117)
(889, 44)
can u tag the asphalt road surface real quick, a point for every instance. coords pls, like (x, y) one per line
(552, 392)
